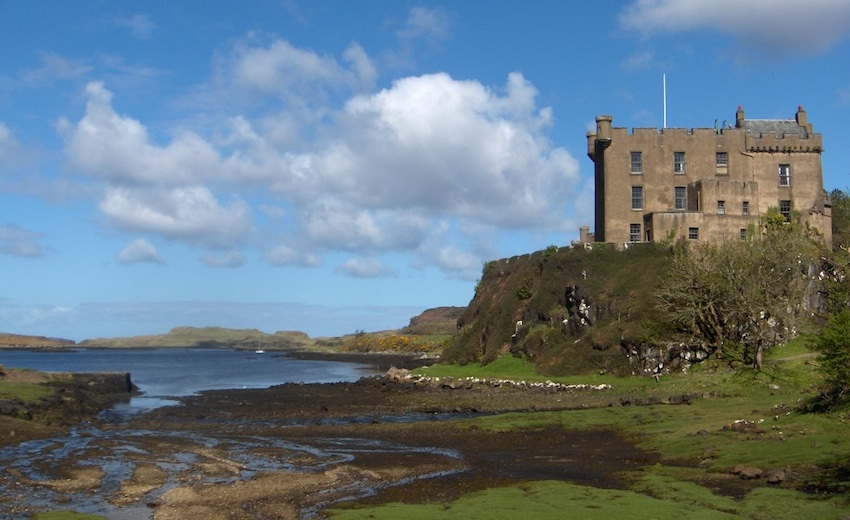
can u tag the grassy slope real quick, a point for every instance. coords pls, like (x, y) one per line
(698, 453)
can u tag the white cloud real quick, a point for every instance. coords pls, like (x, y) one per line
(17, 241)
(281, 68)
(379, 173)
(191, 214)
(118, 148)
(334, 224)
(446, 147)
(139, 251)
(365, 268)
(774, 25)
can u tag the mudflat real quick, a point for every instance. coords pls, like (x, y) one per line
(291, 450)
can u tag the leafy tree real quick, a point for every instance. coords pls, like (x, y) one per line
(833, 345)
(840, 220)
(741, 298)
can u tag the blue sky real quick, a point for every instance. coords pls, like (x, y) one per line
(329, 166)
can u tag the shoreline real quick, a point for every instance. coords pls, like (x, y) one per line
(384, 360)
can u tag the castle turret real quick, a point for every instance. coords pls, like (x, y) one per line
(739, 117)
(603, 128)
(803, 119)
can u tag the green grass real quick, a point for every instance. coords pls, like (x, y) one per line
(67, 515)
(516, 369)
(26, 392)
(697, 452)
(539, 500)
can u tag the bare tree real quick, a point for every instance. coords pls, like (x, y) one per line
(741, 297)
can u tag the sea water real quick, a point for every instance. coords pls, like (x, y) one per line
(163, 373)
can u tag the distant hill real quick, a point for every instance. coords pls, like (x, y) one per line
(439, 320)
(207, 337)
(22, 341)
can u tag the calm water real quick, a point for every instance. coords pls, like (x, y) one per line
(174, 372)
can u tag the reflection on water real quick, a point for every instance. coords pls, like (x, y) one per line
(135, 405)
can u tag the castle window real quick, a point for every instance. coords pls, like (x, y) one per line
(678, 162)
(785, 175)
(743, 234)
(637, 162)
(681, 200)
(745, 208)
(637, 197)
(721, 163)
(721, 207)
(693, 233)
(634, 232)
(785, 209)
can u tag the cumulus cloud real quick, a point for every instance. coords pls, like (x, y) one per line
(445, 147)
(17, 241)
(118, 148)
(191, 214)
(776, 25)
(281, 68)
(382, 171)
(139, 251)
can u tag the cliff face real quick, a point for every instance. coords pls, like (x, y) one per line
(568, 310)
(439, 320)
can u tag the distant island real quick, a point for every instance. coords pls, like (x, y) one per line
(438, 321)
(22, 341)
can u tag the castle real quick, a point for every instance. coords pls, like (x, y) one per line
(705, 184)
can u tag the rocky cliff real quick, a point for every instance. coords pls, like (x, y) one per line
(596, 310)
(439, 320)
(568, 310)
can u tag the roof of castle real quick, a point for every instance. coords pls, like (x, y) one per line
(780, 127)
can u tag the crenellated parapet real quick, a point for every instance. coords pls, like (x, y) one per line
(704, 183)
(784, 143)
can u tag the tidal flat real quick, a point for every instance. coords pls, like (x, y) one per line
(709, 444)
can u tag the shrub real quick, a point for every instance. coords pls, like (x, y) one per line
(833, 346)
